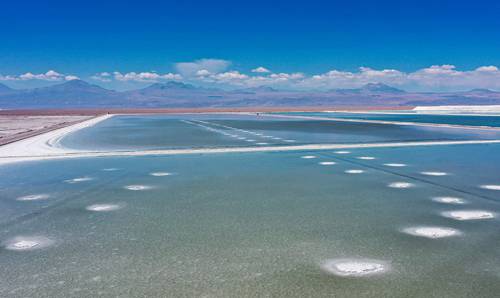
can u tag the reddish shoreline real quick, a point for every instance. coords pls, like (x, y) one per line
(101, 111)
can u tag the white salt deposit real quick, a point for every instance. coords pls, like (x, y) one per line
(262, 143)
(401, 185)
(327, 163)
(289, 141)
(77, 180)
(434, 173)
(449, 200)
(137, 187)
(160, 174)
(366, 157)
(491, 187)
(22, 243)
(354, 171)
(103, 207)
(342, 152)
(395, 165)
(469, 214)
(33, 197)
(308, 156)
(432, 232)
(355, 267)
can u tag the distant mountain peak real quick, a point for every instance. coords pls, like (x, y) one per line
(75, 85)
(257, 89)
(4, 88)
(171, 85)
(482, 90)
(371, 88)
(381, 88)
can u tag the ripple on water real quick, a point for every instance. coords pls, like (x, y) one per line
(327, 163)
(395, 165)
(103, 207)
(25, 243)
(137, 187)
(35, 197)
(434, 173)
(490, 186)
(308, 156)
(449, 200)
(354, 171)
(355, 267)
(469, 214)
(342, 152)
(432, 232)
(401, 185)
(160, 174)
(77, 180)
(366, 157)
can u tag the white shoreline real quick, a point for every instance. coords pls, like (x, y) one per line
(63, 154)
(424, 124)
(47, 143)
(46, 146)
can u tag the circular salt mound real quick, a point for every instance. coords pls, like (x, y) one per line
(342, 152)
(366, 157)
(491, 187)
(395, 165)
(432, 232)
(449, 200)
(33, 197)
(160, 174)
(308, 156)
(401, 185)
(327, 163)
(103, 207)
(22, 243)
(434, 173)
(355, 268)
(137, 187)
(354, 171)
(469, 214)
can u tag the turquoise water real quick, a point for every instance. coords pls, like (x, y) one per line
(251, 225)
(472, 120)
(184, 131)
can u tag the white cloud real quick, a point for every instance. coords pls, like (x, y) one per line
(203, 73)
(135, 76)
(489, 68)
(190, 69)
(444, 77)
(261, 69)
(50, 75)
(71, 78)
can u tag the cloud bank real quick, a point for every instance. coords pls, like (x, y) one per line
(217, 73)
(50, 75)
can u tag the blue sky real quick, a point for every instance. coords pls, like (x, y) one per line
(84, 38)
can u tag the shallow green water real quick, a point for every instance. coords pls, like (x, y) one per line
(251, 225)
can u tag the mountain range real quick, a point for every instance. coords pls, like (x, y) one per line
(81, 94)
